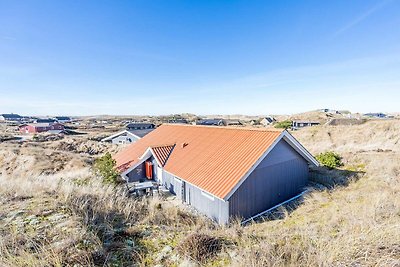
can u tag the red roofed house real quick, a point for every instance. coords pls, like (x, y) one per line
(223, 172)
(41, 127)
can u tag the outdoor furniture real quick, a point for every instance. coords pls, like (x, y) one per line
(144, 188)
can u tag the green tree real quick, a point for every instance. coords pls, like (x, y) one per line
(330, 159)
(105, 167)
(284, 124)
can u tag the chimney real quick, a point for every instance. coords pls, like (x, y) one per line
(184, 145)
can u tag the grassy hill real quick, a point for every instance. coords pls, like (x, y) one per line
(55, 212)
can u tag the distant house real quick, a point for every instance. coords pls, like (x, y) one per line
(267, 121)
(10, 117)
(127, 136)
(327, 110)
(233, 122)
(62, 119)
(212, 122)
(375, 115)
(222, 172)
(41, 127)
(180, 121)
(140, 126)
(300, 124)
(44, 120)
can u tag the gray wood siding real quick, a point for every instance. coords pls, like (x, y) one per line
(172, 184)
(138, 174)
(212, 207)
(280, 176)
(208, 205)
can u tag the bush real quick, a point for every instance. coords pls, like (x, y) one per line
(105, 167)
(330, 159)
(284, 124)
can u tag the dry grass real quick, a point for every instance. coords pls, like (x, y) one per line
(57, 221)
(200, 247)
(356, 224)
(55, 213)
(373, 136)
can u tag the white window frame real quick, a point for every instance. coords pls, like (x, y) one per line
(207, 195)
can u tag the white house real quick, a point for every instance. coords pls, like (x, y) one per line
(267, 121)
(126, 136)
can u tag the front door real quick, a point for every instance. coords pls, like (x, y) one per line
(183, 191)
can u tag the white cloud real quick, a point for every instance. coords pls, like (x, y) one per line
(362, 17)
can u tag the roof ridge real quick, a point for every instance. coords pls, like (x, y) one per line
(225, 127)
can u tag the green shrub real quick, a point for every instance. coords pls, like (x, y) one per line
(105, 167)
(284, 124)
(330, 159)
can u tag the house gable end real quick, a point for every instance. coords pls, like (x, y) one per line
(279, 176)
(282, 152)
(292, 142)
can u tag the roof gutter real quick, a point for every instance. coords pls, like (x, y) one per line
(273, 208)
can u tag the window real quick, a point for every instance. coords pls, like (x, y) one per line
(207, 195)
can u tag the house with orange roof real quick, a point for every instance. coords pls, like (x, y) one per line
(223, 172)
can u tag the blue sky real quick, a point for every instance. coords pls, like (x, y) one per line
(205, 57)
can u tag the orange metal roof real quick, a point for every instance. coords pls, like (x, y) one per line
(211, 158)
(162, 153)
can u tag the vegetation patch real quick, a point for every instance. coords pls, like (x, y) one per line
(284, 124)
(105, 167)
(200, 247)
(330, 159)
